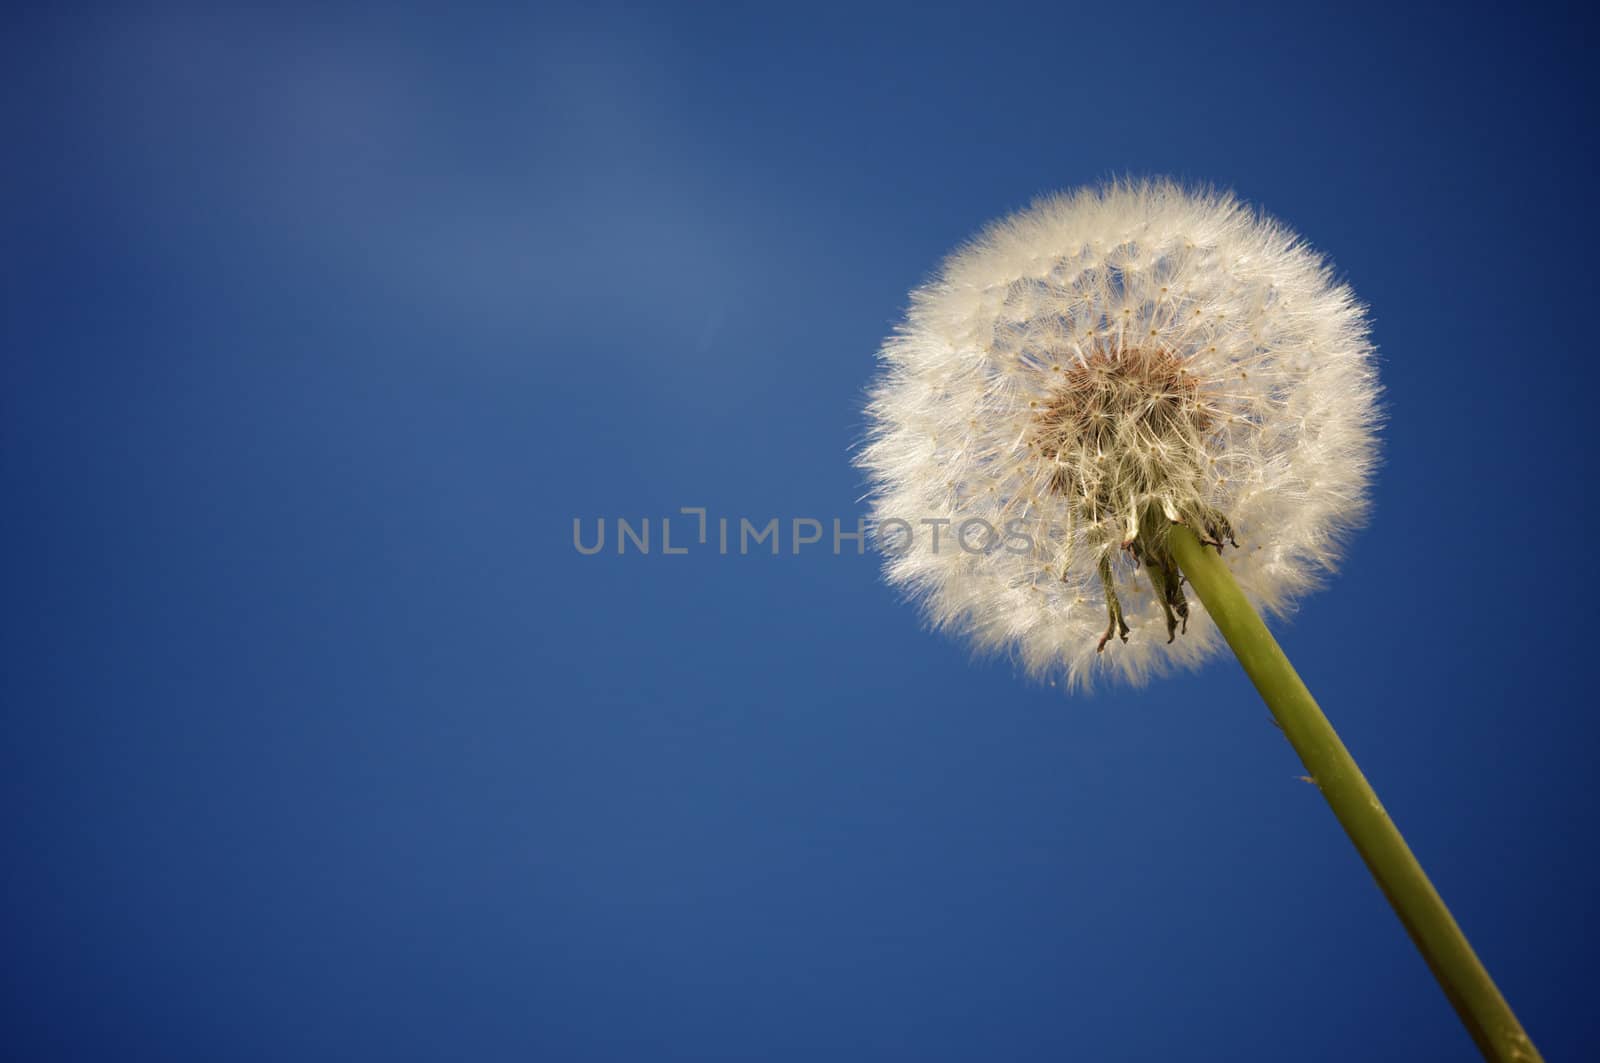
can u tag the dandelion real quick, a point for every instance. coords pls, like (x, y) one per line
(1094, 368)
(1132, 390)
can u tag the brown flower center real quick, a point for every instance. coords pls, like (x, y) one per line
(1120, 423)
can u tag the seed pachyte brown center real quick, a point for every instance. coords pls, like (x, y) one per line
(1119, 422)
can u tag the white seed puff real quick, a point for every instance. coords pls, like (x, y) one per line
(1090, 369)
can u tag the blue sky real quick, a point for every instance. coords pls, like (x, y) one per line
(321, 741)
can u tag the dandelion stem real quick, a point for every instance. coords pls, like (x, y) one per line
(1484, 1012)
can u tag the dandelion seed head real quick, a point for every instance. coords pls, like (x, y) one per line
(1092, 368)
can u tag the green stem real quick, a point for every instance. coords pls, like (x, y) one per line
(1472, 992)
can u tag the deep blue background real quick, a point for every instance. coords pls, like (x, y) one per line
(321, 742)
